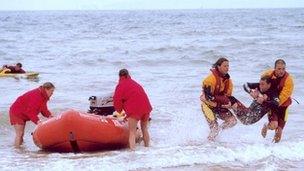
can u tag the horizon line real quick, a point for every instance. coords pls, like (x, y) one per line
(153, 9)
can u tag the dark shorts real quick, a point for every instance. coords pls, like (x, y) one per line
(278, 115)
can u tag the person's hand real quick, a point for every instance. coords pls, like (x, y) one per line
(208, 102)
(260, 99)
(265, 97)
(234, 106)
(254, 93)
(203, 98)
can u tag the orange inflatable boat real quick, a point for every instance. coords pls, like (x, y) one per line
(73, 131)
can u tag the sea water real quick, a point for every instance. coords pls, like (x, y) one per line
(168, 53)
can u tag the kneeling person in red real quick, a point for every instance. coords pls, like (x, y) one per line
(132, 98)
(28, 106)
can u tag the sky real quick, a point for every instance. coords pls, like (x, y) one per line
(144, 4)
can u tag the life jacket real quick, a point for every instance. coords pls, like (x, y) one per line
(218, 76)
(279, 85)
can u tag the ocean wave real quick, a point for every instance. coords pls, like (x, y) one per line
(159, 62)
(14, 30)
(175, 49)
(119, 63)
(162, 49)
(83, 53)
(7, 40)
(210, 55)
(299, 26)
(255, 156)
(4, 19)
(2, 54)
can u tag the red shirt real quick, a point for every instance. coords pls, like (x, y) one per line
(131, 97)
(30, 104)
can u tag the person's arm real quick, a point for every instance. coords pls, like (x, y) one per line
(118, 98)
(207, 93)
(45, 111)
(223, 100)
(22, 71)
(208, 102)
(208, 86)
(287, 90)
(230, 88)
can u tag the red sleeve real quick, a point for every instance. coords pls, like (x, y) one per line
(22, 71)
(45, 111)
(118, 98)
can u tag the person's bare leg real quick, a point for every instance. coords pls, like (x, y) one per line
(145, 132)
(271, 125)
(19, 130)
(278, 135)
(132, 132)
(264, 130)
(214, 130)
(138, 138)
(229, 122)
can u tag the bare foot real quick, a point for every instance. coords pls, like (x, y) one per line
(264, 131)
(213, 133)
(278, 135)
(211, 138)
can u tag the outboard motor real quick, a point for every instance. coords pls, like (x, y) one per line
(101, 105)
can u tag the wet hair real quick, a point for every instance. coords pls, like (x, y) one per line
(123, 73)
(48, 85)
(279, 61)
(19, 65)
(219, 62)
(266, 78)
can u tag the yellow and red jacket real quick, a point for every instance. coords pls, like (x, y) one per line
(285, 87)
(220, 85)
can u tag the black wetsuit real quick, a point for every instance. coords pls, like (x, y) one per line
(256, 111)
(13, 70)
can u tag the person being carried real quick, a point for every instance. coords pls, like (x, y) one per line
(17, 69)
(264, 99)
(27, 107)
(283, 81)
(132, 98)
(216, 94)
